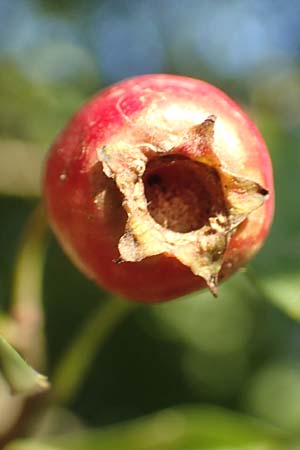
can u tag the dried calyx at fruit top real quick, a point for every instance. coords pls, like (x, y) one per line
(179, 199)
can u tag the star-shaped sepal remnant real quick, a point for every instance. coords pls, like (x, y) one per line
(195, 205)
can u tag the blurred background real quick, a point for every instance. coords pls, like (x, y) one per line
(195, 373)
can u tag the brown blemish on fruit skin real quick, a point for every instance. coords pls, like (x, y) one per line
(108, 200)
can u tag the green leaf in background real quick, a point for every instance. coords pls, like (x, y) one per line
(20, 168)
(33, 111)
(273, 394)
(282, 290)
(185, 428)
(277, 264)
(20, 376)
(31, 445)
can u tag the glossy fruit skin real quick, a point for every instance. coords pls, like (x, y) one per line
(89, 230)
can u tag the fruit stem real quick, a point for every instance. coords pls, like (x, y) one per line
(76, 362)
(23, 326)
(26, 308)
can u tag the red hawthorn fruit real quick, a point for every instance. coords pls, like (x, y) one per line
(159, 186)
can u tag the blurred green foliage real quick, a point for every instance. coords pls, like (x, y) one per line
(240, 351)
(174, 429)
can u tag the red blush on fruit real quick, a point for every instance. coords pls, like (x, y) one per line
(159, 186)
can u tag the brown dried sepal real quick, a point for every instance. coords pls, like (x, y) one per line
(162, 191)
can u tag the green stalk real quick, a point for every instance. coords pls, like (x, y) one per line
(255, 282)
(76, 362)
(26, 308)
(20, 377)
(28, 313)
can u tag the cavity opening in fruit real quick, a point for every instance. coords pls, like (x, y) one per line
(182, 194)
